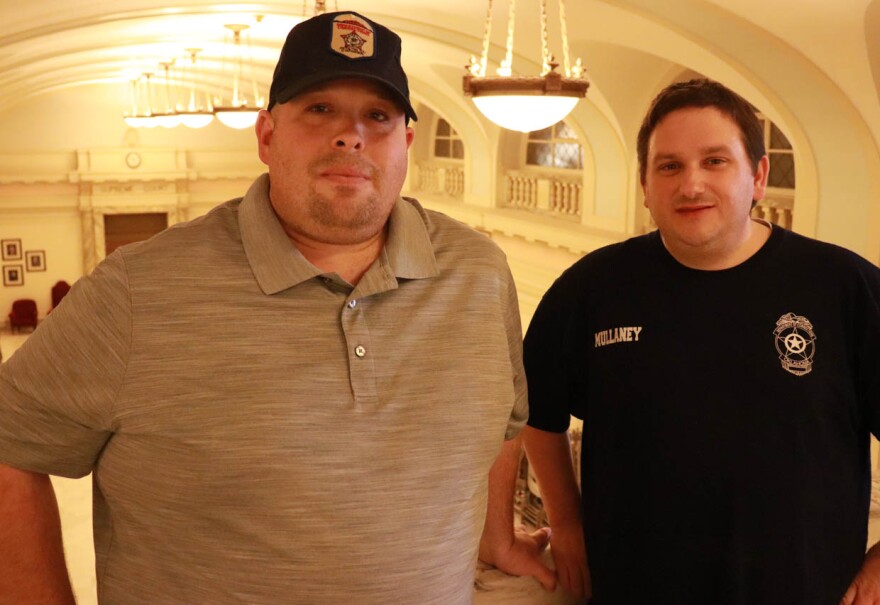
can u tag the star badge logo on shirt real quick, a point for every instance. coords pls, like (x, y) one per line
(795, 343)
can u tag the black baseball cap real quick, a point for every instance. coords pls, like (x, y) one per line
(339, 45)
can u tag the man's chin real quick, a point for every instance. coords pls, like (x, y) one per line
(350, 235)
(358, 192)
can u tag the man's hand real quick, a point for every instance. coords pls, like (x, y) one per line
(865, 588)
(522, 556)
(570, 556)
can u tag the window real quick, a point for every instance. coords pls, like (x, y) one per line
(555, 147)
(447, 143)
(781, 156)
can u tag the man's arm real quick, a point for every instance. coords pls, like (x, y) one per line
(32, 568)
(550, 458)
(865, 588)
(513, 552)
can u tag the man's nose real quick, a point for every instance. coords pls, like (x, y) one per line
(349, 136)
(693, 183)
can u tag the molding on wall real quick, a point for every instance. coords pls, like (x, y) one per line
(126, 164)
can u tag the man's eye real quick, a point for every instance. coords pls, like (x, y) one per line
(319, 108)
(667, 167)
(379, 116)
(715, 161)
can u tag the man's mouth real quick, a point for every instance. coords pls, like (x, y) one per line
(344, 172)
(345, 175)
(692, 208)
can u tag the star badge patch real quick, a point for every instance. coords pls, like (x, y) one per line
(795, 343)
(352, 37)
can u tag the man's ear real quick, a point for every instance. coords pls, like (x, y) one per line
(760, 180)
(264, 128)
(410, 135)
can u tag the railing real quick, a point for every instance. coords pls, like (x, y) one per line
(543, 193)
(776, 210)
(440, 178)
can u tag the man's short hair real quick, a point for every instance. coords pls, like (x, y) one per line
(702, 92)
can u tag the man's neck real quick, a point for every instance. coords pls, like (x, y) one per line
(757, 234)
(349, 261)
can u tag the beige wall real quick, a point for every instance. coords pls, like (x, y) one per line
(57, 233)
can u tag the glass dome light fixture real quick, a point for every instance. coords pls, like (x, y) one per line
(525, 103)
(196, 114)
(239, 113)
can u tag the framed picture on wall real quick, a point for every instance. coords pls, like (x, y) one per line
(13, 275)
(35, 260)
(11, 249)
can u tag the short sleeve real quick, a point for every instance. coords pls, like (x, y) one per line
(867, 331)
(57, 391)
(547, 358)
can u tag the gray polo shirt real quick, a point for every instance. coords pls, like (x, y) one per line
(262, 432)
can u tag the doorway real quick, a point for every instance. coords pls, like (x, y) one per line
(121, 229)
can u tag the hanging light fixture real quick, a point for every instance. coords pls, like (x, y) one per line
(134, 117)
(196, 114)
(141, 95)
(526, 103)
(239, 113)
(167, 118)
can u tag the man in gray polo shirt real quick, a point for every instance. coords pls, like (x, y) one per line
(307, 409)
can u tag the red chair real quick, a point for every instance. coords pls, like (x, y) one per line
(59, 290)
(24, 313)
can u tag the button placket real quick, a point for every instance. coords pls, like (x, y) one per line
(357, 336)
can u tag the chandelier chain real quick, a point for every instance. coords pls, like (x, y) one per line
(545, 44)
(487, 30)
(255, 92)
(565, 54)
(149, 89)
(507, 65)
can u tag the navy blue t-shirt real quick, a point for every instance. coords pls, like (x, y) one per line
(725, 454)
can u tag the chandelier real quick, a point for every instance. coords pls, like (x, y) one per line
(182, 97)
(167, 118)
(195, 114)
(526, 103)
(241, 111)
(141, 102)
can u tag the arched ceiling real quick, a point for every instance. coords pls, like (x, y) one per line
(52, 44)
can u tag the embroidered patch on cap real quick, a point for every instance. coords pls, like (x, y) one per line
(352, 36)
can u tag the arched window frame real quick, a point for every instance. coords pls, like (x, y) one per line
(446, 145)
(554, 140)
(779, 149)
(778, 203)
